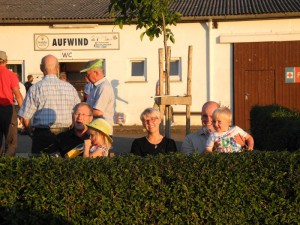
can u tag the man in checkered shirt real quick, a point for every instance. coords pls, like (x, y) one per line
(48, 105)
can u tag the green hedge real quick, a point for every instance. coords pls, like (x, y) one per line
(275, 128)
(244, 188)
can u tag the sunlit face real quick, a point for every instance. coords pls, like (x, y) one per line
(90, 75)
(221, 123)
(82, 116)
(151, 122)
(97, 138)
(206, 116)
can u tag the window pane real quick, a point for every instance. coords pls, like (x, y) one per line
(174, 68)
(137, 68)
(17, 69)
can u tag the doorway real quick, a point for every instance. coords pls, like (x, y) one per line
(259, 77)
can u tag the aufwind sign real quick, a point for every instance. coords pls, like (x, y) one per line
(93, 41)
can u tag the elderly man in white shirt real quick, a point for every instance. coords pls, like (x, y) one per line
(101, 98)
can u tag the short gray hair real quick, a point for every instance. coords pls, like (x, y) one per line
(149, 111)
(76, 107)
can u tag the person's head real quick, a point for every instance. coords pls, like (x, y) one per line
(30, 78)
(82, 114)
(49, 65)
(206, 117)
(100, 131)
(63, 76)
(3, 58)
(93, 70)
(222, 118)
(151, 118)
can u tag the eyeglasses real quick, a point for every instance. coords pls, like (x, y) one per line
(152, 119)
(80, 114)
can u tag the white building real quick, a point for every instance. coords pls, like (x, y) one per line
(76, 33)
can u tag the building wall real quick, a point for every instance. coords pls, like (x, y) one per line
(212, 58)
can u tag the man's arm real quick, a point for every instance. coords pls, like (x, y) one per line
(97, 113)
(18, 96)
(187, 146)
(26, 123)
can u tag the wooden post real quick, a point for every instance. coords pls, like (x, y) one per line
(161, 88)
(167, 90)
(189, 90)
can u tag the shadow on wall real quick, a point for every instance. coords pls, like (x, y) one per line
(119, 116)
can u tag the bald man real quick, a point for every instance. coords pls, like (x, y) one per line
(48, 106)
(196, 142)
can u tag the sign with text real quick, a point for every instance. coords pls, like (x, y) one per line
(93, 41)
(292, 74)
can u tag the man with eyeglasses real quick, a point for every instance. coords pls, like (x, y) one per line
(48, 105)
(66, 141)
(101, 98)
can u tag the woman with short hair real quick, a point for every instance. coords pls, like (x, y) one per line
(153, 143)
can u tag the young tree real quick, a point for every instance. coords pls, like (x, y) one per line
(153, 15)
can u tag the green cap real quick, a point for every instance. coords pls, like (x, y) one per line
(103, 126)
(92, 65)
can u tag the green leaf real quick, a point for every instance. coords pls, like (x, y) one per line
(142, 35)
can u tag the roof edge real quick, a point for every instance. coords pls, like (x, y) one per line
(241, 17)
(185, 19)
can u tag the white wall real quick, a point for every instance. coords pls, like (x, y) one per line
(212, 58)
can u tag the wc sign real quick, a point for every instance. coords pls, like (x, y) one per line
(66, 54)
(292, 74)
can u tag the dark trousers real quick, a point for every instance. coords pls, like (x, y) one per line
(44, 137)
(8, 129)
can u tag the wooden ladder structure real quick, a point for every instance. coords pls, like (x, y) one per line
(164, 100)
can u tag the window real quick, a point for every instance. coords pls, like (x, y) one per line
(175, 69)
(138, 70)
(17, 68)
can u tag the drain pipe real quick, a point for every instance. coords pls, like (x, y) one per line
(210, 63)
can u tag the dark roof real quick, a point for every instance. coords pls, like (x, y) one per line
(45, 11)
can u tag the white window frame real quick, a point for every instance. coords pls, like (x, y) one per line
(18, 62)
(176, 77)
(139, 78)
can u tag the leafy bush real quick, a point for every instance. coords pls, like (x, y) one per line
(275, 128)
(251, 187)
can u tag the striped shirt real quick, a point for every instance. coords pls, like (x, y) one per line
(49, 103)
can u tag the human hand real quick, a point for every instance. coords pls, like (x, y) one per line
(240, 140)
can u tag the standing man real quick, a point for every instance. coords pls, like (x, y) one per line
(9, 87)
(28, 83)
(101, 97)
(48, 105)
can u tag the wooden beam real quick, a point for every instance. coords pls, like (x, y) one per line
(174, 100)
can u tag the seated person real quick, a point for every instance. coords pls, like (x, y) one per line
(100, 131)
(65, 141)
(153, 143)
(222, 140)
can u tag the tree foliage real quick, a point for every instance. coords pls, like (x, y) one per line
(153, 15)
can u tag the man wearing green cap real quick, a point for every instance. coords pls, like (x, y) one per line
(101, 97)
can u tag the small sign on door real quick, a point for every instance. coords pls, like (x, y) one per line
(292, 75)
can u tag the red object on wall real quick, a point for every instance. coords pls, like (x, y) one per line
(297, 74)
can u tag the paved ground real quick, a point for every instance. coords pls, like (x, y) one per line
(123, 137)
